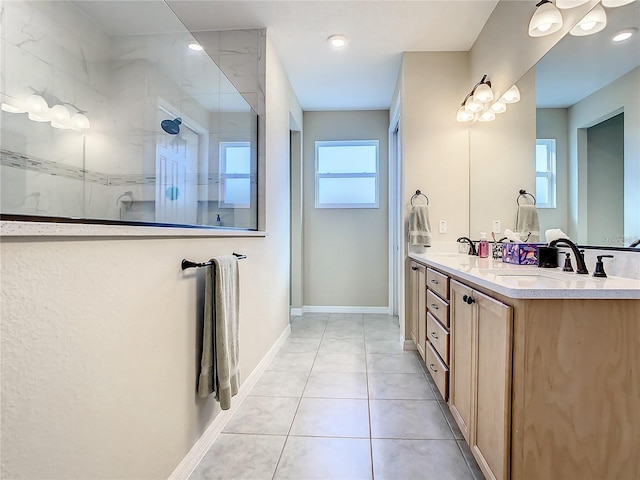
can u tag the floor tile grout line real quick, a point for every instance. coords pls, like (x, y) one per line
(297, 407)
(366, 375)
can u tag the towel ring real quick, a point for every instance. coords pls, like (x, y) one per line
(419, 194)
(524, 193)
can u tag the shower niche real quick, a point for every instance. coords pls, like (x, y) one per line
(106, 121)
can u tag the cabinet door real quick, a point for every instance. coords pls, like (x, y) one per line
(490, 432)
(462, 353)
(421, 314)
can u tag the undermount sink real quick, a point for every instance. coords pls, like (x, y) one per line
(530, 274)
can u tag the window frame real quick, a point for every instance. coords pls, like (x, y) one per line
(223, 175)
(376, 175)
(550, 174)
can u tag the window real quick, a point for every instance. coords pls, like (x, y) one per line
(235, 174)
(347, 174)
(546, 173)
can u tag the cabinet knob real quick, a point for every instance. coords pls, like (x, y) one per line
(468, 299)
(433, 367)
(414, 268)
(433, 334)
(434, 281)
(434, 306)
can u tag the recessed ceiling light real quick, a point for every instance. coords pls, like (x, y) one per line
(625, 34)
(196, 47)
(338, 41)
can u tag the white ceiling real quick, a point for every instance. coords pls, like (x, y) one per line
(363, 75)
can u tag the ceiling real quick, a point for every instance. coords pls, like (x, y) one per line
(363, 75)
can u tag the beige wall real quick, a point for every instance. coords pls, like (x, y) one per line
(346, 250)
(100, 336)
(621, 95)
(502, 161)
(552, 123)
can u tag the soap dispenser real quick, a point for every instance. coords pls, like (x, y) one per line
(483, 245)
(599, 271)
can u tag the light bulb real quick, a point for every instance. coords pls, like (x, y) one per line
(80, 122)
(463, 115)
(472, 106)
(593, 22)
(511, 96)
(487, 116)
(545, 21)
(483, 93)
(498, 107)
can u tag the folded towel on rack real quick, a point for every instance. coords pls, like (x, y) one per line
(527, 221)
(219, 369)
(419, 226)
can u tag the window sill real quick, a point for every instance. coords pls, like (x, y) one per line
(48, 229)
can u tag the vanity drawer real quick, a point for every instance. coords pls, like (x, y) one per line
(439, 337)
(438, 282)
(438, 308)
(439, 371)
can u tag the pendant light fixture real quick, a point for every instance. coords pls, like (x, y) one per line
(546, 20)
(592, 22)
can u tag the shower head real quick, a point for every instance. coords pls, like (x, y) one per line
(172, 127)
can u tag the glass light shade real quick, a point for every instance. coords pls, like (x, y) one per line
(564, 4)
(616, 3)
(13, 107)
(80, 122)
(487, 116)
(60, 117)
(338, 41)
(37, 104)
(472, 106)
(196, 47)
(498, 107)
(483, 93)
(545, 21)
(593, 22)
(463, 115)
(39, 116)
(511, 96)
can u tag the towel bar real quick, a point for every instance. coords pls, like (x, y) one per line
(522, 193)
(189, 264)
(419, 194)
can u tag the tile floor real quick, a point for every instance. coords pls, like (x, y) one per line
(341, 400)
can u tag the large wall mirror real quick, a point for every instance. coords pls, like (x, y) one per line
(113, 114)
(588, 118)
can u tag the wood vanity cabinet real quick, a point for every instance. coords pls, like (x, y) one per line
(480, 391)
(437, 346)
(418, 311)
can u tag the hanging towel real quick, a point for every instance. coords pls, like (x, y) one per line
(527, 221)
(419, 226)
(220, 353)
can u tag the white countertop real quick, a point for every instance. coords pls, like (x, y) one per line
(529, 281)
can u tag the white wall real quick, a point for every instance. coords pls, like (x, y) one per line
(552, 123)
(621, 95)
(345, 250)
(99, 335)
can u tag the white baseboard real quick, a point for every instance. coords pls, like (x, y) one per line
(191, 460)
(338, 309)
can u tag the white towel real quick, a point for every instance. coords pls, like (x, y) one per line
(527, 221)
(419, 226)
(220, 354)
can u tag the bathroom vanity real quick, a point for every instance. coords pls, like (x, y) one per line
(542, 367)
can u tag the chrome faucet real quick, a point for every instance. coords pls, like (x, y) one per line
(472, 247)
(580, 265)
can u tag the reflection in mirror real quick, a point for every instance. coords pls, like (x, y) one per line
(111, 120)
(588, 104)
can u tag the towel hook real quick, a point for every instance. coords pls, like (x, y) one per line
(419, 194)
(523, 193)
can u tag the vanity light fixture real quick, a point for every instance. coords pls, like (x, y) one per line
(487, 116)
(13, 107)
(498, 107)
(593, 22)
(475, 101)
(622, 35)
(546, 19)
(338, 41)
(616, 3)
(60, 117)
(196, 47)
(80, 122)
(464, 116)
(565, 4)
(511, 96)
